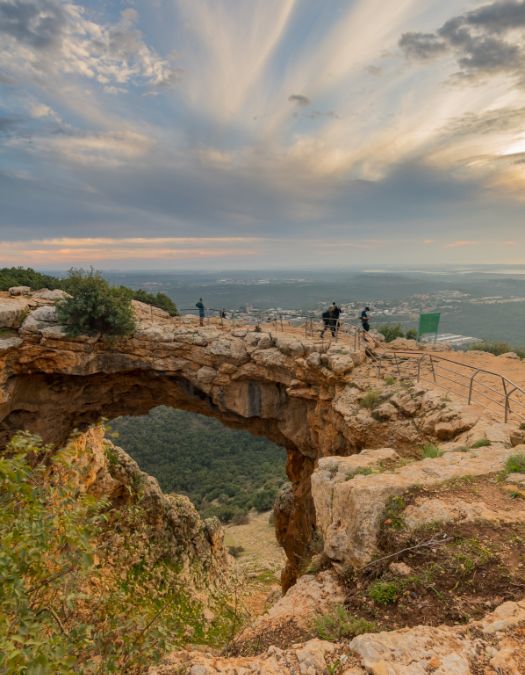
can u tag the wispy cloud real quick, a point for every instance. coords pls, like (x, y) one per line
(276, 121)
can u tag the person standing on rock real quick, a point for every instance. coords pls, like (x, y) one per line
(336, 313)
(200, 306)
(365, 324)
(327, 319)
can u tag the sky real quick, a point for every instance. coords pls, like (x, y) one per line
(240, 134)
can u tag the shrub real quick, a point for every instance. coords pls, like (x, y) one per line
(236, 551)
(370, 399)
(339, 624)
(515, 463)
(263, 499)
(20, 276)
(431, 450)
(390, 380)
(482, 443)
(384, 592)
(411, 334)
(393, 513)
(391, 331)
(95, 307)
(160, 300)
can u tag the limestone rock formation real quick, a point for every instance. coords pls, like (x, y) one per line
(350, 505)
(300, 392)
(193, 544)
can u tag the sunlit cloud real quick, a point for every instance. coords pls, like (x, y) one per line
(215, 131)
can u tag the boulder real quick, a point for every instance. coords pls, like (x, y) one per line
(13, 311)
(54, 296)
(40, 319)
(9, 343)
(20, 290)
(509, 355)
(496, 640)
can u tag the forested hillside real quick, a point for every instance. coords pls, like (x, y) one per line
(224, 472)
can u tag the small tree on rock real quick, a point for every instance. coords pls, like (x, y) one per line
(95, 307)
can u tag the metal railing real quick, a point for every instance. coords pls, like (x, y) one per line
(462, 379)
(469, 382)
(310, 324)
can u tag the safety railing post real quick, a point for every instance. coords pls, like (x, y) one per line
(397, 365)
(471, 387)
(506, 395)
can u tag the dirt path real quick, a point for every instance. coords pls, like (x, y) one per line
(261, 559)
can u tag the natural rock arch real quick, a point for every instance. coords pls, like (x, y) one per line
(296, 392)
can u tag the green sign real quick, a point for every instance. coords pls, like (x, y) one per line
(428, 323)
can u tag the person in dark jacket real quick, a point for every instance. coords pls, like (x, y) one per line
(336, 313)
(200, 306)
(327, 319)
(364, 319)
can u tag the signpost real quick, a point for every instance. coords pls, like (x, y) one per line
(428, 324)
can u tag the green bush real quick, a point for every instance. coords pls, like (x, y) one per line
(95, 307)
(20, 276)
(370, 399)
(515, 463)
(160, 300)
(411, 334)
(384, 592)
(339, 624)
(391, 331)
(431, 450)
(482, 443)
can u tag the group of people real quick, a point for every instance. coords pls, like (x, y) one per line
(331, 319)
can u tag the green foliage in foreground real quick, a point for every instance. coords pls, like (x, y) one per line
(496, 348)
(224, 472)
(84, 587)
(339, 624)
(95, 307)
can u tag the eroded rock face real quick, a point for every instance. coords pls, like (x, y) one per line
(294, 390)
(350, 505)
(105, 470)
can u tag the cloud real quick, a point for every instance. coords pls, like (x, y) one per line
(460, 243)
(299, 99)
(8, 125)
(79, 250)
(485, 42)
(39, 25)
(54, 37)
(422, 45)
